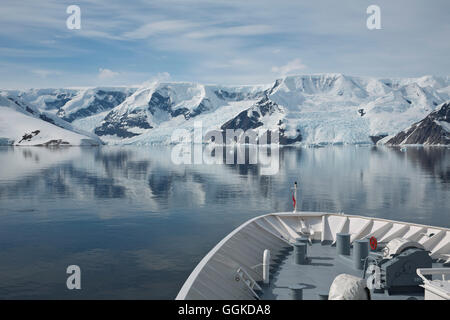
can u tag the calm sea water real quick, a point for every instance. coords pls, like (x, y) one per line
(137, 224)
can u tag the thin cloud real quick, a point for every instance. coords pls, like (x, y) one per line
(247, 30)
(106, 74)
(290, 67)
(43, 73)
(159, 77)
(160, 27)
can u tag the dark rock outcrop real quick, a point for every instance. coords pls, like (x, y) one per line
(432, 130)
(377, 138)
(103, 101)
(29, 136)
(59, 101)
(54, 143)
(120, 125)
(287, 140)
(252, 118)
(204, 105)
(161, 101)
(23, 106)
(237, 96)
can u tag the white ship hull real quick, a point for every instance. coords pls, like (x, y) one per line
(239, 255)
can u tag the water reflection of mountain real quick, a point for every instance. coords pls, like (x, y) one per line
(358, 180)
(61, 181)
(435, 161)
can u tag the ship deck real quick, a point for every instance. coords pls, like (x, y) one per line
(317, 275)
(233, 268)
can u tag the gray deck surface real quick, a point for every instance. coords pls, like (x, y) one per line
(317, 276)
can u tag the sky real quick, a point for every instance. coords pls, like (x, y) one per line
(217, 41)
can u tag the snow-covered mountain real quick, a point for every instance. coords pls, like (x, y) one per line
(75, 103)
(152, 113)
(22, 124)
(433, 130)
(307, 109)
(325, 107)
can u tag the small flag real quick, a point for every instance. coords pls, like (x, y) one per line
(293, 199)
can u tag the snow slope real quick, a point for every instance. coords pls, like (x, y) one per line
(14, 125)
(21, 124)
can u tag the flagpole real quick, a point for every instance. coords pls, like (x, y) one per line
(294, 198)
